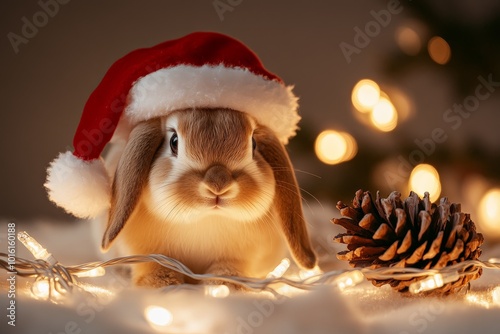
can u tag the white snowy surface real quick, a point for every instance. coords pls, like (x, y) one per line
(362, 309)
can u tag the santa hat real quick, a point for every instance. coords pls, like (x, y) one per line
(202, 69)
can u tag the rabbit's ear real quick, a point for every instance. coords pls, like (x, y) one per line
(131, 175)
(287, 197)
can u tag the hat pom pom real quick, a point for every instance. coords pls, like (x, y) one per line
(80, 187)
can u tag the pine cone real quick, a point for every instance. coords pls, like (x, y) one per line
(389, 232)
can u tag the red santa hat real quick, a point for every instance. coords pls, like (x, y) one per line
(202, 69)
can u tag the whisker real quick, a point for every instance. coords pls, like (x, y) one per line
(295, 170)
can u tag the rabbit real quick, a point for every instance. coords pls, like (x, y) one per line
(211, 188)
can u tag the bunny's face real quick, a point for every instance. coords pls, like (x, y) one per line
(211, 188)
(209, 166)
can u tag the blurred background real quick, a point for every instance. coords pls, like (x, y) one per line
(394, 95)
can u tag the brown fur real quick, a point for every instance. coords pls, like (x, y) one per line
(288, 201)
(131, 175)
(168, 202)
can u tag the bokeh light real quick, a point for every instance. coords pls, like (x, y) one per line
(330, 147)
(425, 178)
(408, 40)
(158, 316)
(384, 116)
(365, 95)
(333, 147)
(439, 50)
(489, 212)
(352, 146)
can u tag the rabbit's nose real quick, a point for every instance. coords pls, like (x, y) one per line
(218, 180)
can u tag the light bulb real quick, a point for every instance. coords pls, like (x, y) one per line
(38, 251)
(280, 269)
(305, 274)
(217, 291)
(157, 315)
(495, 294)
(433, 282)
(44, 289)
(96, 272)
(40, 289)
(349, 279)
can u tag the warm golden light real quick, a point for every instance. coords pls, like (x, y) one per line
(330, 147)
(489, 212)
(157, 315)
(280, 269)
(478, 299)
(495, 296)
(305, 274)
(384, 116)
(333, 147)
(425, 178)
(40, 289)
(365, 95)
(33, 246)
(349, 279)
(408, 40)
(96, 272)
(433, 282)
(352, 146)
(217, 291)
(43, 289)
(430, 283)
(439, 50)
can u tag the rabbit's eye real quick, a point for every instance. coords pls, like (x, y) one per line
(174, 143)
(254, 144)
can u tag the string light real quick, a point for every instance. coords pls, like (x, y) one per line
(35, 248)
(44, 289)
(495, 294)
(478, 299)
(96, 272)
(433, 282)
(54, 280)
(306, 274)
(217, 291)
(158, 316)
(280, 269)
(349, 279)
(40, 289)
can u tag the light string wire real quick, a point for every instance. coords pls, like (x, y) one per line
(62, 278)
(64, 274)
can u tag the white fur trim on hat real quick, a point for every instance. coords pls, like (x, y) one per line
(80, 187)
(181, 87)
